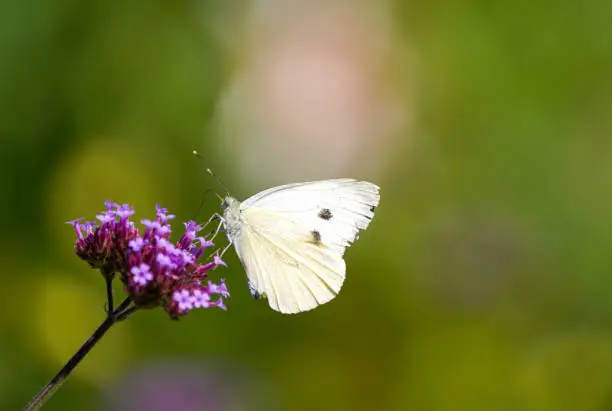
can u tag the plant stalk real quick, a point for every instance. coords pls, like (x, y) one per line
(122, 311)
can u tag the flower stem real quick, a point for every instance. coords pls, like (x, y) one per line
(56, 382)
(109, 294)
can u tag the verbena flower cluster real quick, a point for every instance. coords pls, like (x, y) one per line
(154, 271)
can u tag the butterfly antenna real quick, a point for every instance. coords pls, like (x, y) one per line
(212, 173)
(221, 183)
(208, 190)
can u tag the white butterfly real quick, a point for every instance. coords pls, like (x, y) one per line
(290, 239)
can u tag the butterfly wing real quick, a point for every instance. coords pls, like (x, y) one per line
(291, 239)
(286, 262)
(337, 208)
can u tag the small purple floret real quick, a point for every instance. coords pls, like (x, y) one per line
(183, 299)
(136, 244)
(141, 274)
(220, 289)
(125, 211)
(200, 298)
(218, 261)
(163, 260)
(105, 218)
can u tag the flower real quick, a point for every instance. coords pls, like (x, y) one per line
(183, 300)
(199, 298)
(103, 246)
(154, 270)
(141, 274)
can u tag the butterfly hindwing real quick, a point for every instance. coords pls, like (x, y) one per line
(287, 263)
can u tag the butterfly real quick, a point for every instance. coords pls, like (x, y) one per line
(291, 238)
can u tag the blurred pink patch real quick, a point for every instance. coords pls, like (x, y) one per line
(319, 95)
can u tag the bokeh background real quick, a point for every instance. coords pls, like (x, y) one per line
(485, 280)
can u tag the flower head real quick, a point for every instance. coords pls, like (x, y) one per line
(103, 246)
(154, 270)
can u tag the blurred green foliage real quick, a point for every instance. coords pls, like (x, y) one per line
(484, 282)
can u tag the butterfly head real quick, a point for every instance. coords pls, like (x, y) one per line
(229, 203)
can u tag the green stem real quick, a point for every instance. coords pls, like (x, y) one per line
(56, 382)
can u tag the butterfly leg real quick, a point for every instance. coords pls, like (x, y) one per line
(229, 244)
(212, 234)
(215, 216)
(221, 224)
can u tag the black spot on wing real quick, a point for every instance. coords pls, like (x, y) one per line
(372, 208)
(253, 291)
(325, 214)
(316, 237)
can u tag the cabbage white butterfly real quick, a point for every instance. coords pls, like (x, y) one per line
(291, 238)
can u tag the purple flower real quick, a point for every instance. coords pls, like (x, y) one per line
(136, 244)
(103, 246)
(89, 226)
(200, 298)
(218, 261)
(105, 218)
(162, 213)
(154, 271)
(191, 227)
(218, 289)
(205, 243)
(163, 260)
(141, 274)
(165, 244)
(183, 299)
(164, 230)
(125, 211)
(77, 227)
(151, 225)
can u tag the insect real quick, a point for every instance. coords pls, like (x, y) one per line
(291, 239)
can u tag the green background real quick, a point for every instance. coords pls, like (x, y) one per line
(484, 282)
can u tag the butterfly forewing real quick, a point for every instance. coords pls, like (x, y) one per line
(338, 208)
